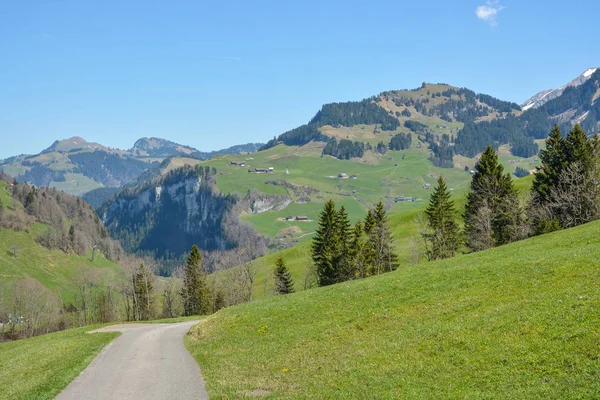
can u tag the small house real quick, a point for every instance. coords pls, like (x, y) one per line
(353, 177)
(301, 218)
(271, 169)
(343, 176)
(426, 186)
(399, 198)
(234, 163)
(289, 218)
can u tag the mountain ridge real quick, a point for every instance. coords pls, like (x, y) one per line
(544, 96)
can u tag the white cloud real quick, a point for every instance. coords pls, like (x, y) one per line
(489, 12)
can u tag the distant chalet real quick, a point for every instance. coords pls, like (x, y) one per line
(261, 171)
(238, 164)
(298, 218)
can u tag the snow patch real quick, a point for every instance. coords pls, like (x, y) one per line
(590, 72)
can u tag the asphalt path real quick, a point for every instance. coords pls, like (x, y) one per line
(148, 361)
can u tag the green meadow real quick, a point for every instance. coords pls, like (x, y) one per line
(516, 322)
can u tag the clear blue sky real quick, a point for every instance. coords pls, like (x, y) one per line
(214, 74)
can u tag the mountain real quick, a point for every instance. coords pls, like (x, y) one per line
(79, 167)
(576, 103)
(159, 148)
(545, 96)
(170, 212)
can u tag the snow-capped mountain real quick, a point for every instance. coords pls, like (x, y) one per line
(547, 95)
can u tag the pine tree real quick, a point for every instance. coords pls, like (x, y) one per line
(343, 240)
(358, 260)
(380, 243)
(72, 236)
(324, 246)
(443, 238)
(579, 147)
(194, 292)
(487, 210)
(283, 279)
(369, 222)
(144, 292)
(554, 160)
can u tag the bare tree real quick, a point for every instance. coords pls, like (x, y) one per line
(311, 279)
(575, 200)
(249, 270)
(481, 237)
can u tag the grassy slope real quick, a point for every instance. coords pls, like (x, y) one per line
(519, 321)
(53, 268)
(40, 367)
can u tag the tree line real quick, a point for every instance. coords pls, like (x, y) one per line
(565, 193)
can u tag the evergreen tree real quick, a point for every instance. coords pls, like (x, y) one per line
(579, 148)
(380, 244)
(1, 210)
(194, 292)
(283, 279)
(488, 204)
(72, 236)
(324, 246)
(144, 292)
(343, 240)
(369, 222)
(358, 256)
(443, 238)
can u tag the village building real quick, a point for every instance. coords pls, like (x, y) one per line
(301, 218)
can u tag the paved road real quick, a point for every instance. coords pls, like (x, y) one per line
(148, 361)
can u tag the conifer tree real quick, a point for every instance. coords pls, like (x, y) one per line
(144, 292)
(443, 236)
(369, 222)
(358, 259)
(554, 160)
(194, 292)
(343, 240)
(579, 147)
(487, 209)
(72, 236)
(324, 246)
(284, 283)
(380, 243)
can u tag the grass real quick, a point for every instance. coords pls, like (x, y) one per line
(519, 321)
(76, 184)
(41, 367)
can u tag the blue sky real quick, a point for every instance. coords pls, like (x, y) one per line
(214, 74)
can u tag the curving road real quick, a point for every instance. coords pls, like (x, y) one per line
(148, 361)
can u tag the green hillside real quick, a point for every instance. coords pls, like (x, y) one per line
(55, 269)
(22, 256)
(518, 321)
